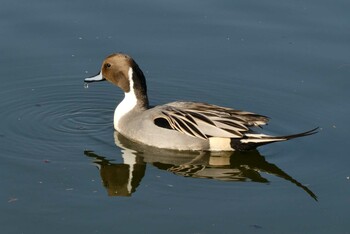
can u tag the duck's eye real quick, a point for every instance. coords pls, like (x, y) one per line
(108, 65)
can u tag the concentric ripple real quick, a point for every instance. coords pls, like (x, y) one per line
(44, 114)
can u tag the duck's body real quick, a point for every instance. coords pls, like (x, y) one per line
(151, 134)
(179, 125)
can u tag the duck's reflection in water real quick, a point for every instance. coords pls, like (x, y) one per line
(122, 179)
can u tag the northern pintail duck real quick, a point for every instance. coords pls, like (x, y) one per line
(179, 125)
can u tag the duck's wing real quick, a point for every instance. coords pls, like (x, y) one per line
(246, 118)
(203, 120)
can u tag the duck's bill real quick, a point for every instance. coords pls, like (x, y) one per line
(95, 78)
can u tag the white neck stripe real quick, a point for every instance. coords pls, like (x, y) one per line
(128, 103)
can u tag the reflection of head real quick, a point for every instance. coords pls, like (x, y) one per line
(120, 179)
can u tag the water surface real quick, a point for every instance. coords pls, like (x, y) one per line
(63, 170)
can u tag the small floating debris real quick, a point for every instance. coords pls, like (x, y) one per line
(13, 199)
(86, 85)
(255, 226)
(348, 177)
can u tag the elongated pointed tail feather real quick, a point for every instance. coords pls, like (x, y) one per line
(288, 137)
(253, 141)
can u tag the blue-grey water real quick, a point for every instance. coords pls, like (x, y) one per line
(64, 170)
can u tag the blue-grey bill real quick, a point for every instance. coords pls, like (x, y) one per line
(95, 78)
